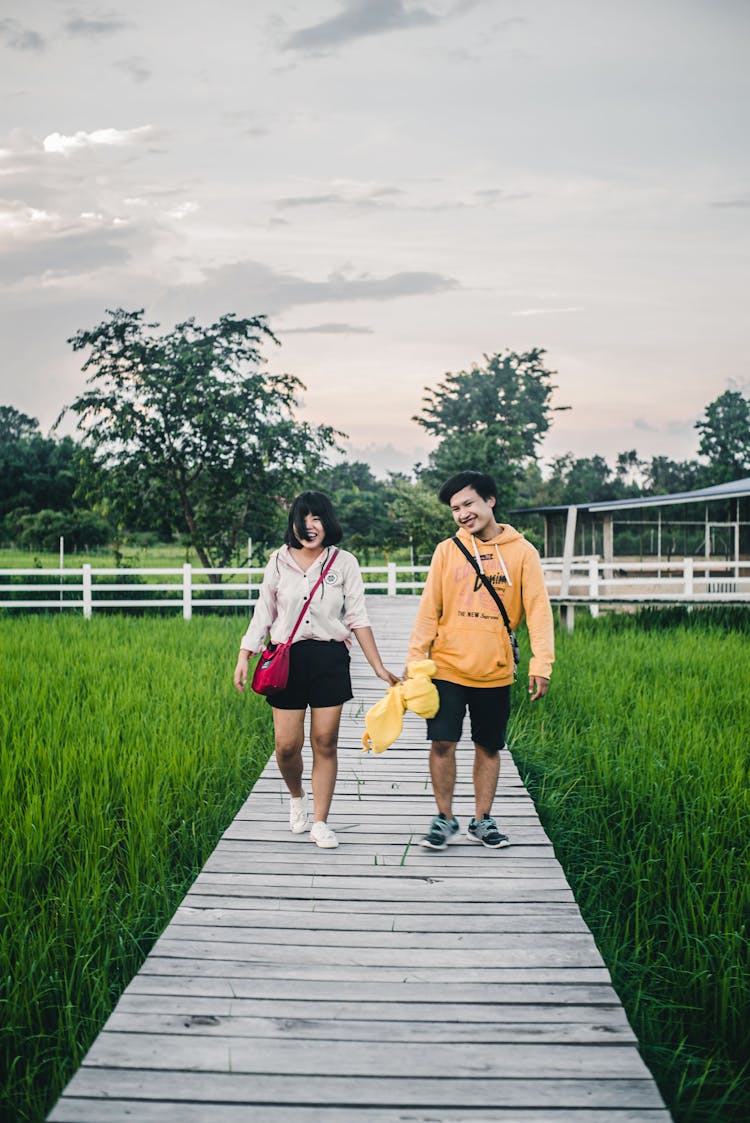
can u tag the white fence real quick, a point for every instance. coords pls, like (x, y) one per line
(588, 582)
(184, 589)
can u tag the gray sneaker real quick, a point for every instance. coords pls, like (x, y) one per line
(485, 830)
(441, 832)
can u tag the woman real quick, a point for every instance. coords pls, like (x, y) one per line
(319, 654)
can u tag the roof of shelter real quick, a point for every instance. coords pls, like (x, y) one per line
(733, 490)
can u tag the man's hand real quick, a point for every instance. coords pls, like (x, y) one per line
(538, 687)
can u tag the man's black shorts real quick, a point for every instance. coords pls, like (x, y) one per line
(318, 676)
(489, 710)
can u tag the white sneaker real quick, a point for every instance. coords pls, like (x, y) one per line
(322, 835)
(298, 814)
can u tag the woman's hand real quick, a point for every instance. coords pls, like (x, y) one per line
(388, 676)
(241, 670)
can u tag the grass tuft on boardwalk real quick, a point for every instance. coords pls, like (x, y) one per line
(125, 754)
(638, 763)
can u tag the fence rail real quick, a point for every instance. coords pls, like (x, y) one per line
(587, 581)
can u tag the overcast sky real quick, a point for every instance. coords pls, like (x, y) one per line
(402, 186)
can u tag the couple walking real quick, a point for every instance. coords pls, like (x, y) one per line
(479, 587)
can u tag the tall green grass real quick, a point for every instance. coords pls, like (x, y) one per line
(639, 762)
(126, 752)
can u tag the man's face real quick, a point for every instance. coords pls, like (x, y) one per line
(475, 514)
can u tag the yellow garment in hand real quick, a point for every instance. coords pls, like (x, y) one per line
(385, 720)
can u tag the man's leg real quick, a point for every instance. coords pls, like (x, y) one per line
(486, 776)
(443, 773)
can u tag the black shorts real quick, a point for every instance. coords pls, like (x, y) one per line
(489, 710)
(318, 676)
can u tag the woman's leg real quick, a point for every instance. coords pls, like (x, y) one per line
(324, 735)
(289, 733)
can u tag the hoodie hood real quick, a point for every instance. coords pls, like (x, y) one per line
(507, 534)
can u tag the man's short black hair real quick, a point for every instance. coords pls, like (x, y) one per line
(483, 485)
(312, 503)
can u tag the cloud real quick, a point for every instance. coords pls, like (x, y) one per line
(327, 329)
(366, 199)
(135, 67)
(547, 311)
(740, 203)
(357, 20)
(70, 255)
(20, 38)
(94, 27)
(254, 285)
(60, 144)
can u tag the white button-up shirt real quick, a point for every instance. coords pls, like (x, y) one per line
(337, 607)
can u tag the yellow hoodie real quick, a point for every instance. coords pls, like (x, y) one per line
(458, 624)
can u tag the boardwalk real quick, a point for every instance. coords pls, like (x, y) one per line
(377, 982)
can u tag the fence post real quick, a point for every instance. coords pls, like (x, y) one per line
(391, 579)
(187, 591)
(687, 569)
(87, 597)
(594, 583)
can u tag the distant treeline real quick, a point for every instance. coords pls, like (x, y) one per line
(185, 437)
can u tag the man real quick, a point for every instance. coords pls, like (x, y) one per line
(460, 627)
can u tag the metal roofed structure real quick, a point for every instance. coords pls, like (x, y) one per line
(723, 532)
(644, 533)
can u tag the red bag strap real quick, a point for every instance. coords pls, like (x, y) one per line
(306, 605)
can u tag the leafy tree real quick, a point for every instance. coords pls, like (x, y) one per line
(16, 426)
(80, 529)
(584, 479)
(725, 436)
(419, 517)
(491, 418)
(192, 415)
(665, 477)
(37, 473)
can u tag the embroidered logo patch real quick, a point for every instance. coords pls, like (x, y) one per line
(331, 578)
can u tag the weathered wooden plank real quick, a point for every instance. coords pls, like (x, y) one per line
(359, 866)
(516, 988)
(455, 980)
(178, 1009)
(348, 1092)
(556, 948)
(309, 1057)
(376, 1031)
(405, 909)
(344, 921)
(74, 1110)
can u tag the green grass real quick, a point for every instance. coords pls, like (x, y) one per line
(126, 752)
(639, 763)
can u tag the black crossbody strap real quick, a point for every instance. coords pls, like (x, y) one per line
(490, 589)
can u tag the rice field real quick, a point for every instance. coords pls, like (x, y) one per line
(125, 752)
(639, 762)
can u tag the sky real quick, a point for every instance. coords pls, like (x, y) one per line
(402, 187)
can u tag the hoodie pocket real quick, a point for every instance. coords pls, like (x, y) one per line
(482, 654)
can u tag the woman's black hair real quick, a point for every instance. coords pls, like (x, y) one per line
(312, 503)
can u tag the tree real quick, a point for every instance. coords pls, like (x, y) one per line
(420, 518)
(725, 436)
(192, 416)
(666, 477)
(16, 426)
(490, 418)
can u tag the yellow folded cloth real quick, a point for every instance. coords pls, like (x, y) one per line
(385, 720)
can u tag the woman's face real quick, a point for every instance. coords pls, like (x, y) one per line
(314, 533)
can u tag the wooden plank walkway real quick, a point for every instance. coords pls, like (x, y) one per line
(378, 982)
